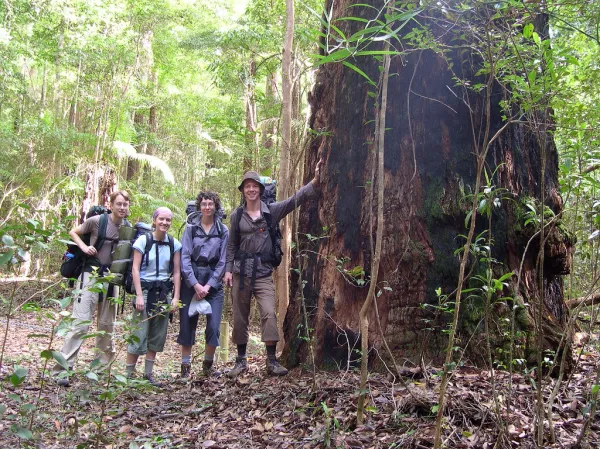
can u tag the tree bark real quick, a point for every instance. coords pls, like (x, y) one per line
(430, 166)
(152, 113)
(282, 285)
(251, 134)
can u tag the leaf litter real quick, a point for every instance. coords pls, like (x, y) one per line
(259, 411)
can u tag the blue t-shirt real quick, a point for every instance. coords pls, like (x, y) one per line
(148, 272)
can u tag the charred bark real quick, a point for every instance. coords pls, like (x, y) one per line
(434, 130)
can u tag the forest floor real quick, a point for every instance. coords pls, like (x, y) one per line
(258, 411)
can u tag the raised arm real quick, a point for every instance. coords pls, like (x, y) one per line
(281, 208)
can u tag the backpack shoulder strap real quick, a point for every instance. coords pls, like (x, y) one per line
(219, 225)
(270, 227)
(236, 216)
(195, 229)
(172, 250)
(102, 225)
(149, 243)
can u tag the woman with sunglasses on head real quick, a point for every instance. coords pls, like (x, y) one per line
(202, 266)
(156, 277)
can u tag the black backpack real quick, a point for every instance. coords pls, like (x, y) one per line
(74, 259)
(268, 196)
(129, 287)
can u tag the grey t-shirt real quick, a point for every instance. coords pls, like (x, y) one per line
(91, 225)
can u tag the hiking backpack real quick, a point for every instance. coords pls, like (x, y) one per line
(268, 196)
(74, 259)
(123, 253)
(191, 212)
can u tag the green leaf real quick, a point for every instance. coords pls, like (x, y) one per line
(356, 19)
(362, 32)
(359, 71)
(338, 31)
(595, 389)
(5, 258)
(363, 5)
(60, 359)
(2, 409)
(335, 56)
(376, 53)
(121, 378)
(7, 240)
(468, 218)
(22, 432)
(18, 376)
(91, 375)
(531, 77)
(528, 30)
(65, 302)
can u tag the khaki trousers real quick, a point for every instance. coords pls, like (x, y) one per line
(83, 311)
(264, 292)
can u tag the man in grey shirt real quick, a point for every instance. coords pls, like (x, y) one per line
(249, 267)
(88, 300)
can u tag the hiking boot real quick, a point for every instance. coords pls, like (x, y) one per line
(275, 369)
(152, 381)
(208, 370)
(185, 370)
(241, 365)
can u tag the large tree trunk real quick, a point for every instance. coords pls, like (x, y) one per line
(434, 131)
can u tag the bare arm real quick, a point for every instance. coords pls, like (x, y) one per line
(75, 234)
(281, 208)
(137, 282)
(176, 279)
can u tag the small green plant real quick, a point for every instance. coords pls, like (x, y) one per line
(331, 424)
(22, 405)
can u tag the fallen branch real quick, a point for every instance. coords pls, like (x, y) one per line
(584, 300)
(196, 411)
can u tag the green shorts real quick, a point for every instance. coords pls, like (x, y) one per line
(151, 332)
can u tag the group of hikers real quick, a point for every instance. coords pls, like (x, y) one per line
(168, 275)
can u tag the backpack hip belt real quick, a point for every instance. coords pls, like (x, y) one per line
(243, 258)
(203, 263)
(157, 293)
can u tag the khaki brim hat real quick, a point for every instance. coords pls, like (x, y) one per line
(254, 177)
